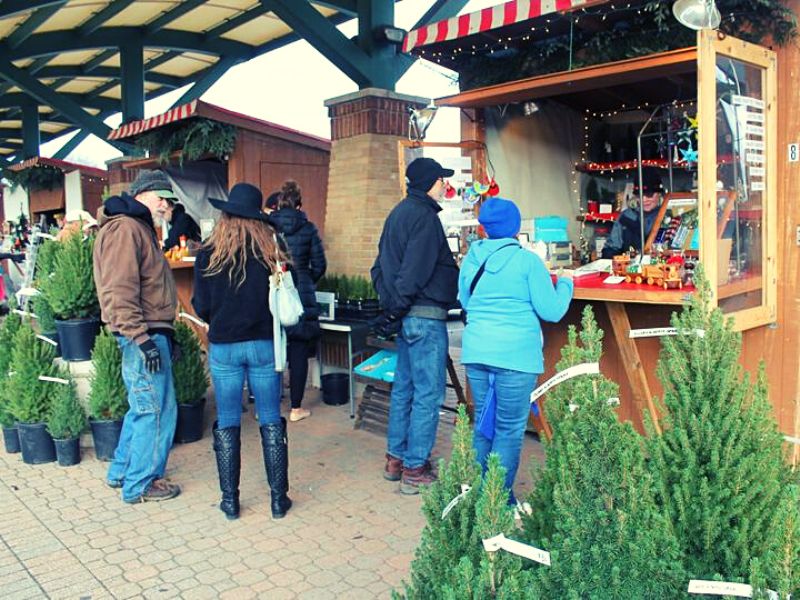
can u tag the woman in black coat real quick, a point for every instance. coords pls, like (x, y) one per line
(308, 258)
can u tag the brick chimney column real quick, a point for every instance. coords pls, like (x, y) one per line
(364, 178)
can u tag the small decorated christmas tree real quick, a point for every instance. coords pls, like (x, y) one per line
(67, 419)
(108, 397)
(594, 506)
(28, 397)
(189, 372)
(719, 465)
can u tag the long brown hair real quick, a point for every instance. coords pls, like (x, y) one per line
(291, 196)
(234, 240)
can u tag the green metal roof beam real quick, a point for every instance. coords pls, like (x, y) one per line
(323, 35)
(11, 8)
(30, 130)
(75, 71)
(346, 6)
(32, 68)
(71, 144)
(101, 17)
(209, 78)
(169, 16)
(26, 29)
(132, 82)
(99, 60)
(17, 99)
(235, 22)
(58, 42)
(59, 102)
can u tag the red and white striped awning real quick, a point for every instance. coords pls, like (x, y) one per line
(486, 19)
(184, 111)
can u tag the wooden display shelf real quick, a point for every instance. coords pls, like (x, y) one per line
(741, 285)
(598, 217)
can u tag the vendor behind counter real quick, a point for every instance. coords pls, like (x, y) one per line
(180, 224)
(626, 232)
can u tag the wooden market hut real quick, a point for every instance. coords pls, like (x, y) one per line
(66, 187)
(262, 153)
(541, 133)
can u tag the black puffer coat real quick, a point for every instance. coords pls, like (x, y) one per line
(309, 264)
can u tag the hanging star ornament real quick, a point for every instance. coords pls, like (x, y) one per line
(689, 155)
(693, 121)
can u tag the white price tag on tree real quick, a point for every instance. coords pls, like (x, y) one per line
(582, 369)
(501, 542)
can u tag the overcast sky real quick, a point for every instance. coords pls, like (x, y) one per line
(289, 85)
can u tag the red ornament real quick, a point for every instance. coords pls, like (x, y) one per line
(449, 191)
(494, 189)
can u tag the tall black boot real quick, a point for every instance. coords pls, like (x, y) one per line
(276, 461)
(227, 447)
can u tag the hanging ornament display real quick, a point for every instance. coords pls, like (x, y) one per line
(480, 188)
(494, 189)
(449, 191)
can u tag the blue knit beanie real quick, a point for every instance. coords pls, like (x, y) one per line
(500, 218)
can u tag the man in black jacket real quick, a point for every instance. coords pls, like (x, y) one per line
(417, 279)
(180, 224)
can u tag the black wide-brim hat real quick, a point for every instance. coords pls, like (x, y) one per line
(244, 200)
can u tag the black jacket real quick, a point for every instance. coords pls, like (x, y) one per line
(181, 224)
(414, 263)
(308, 265)
(234, 315)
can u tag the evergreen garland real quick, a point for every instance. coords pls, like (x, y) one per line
(8, 330)
(37, 177)
(594, 506)
(29, 398)
(189, 372)
(67, 419)
(718, 466)
(650, 29)
(195, 138)
(70, 290)
(108, 397)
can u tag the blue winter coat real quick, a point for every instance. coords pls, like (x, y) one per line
(513, 295)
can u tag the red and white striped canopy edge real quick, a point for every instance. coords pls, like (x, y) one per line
(484, 20)
(184, 111)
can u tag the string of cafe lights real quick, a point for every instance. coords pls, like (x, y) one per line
(502, 42)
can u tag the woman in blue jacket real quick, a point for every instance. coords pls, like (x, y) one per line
(502, 344)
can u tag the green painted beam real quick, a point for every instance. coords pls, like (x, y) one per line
(32, 68)
(30, 130)
(132, 82)
(12, 8)
(101, 17)
(17, 99)
(169, 16)
(57, 42)
(346, 6)
(72, 71)
(329, 41)
(210, 77)
(59, 102)
(31, 24)
(440, 10)
(98, 60)
(236, 21)
(71, 144)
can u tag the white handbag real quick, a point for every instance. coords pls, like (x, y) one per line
(285, 306)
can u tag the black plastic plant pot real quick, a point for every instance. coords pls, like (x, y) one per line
(106, 437)
(190, 422)
(68, 452)
(335, 388)
(76, 337)
(36, 444)
(11, 439)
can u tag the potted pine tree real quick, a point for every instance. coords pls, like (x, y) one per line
(45, 320)
(8, 329)
(108, 398)
(45, 267)
(66, 422)
(71, 293)
(191, 384)
(29, 397)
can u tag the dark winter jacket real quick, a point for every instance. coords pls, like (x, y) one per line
(181, 224)
(308, 265)
(415, 266)
(233, 314)
(134, 282)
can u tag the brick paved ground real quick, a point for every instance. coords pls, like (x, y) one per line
(350, 534)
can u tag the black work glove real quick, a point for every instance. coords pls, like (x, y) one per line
(152, 357)
(387, 324)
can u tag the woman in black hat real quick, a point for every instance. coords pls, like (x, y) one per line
(231, 290)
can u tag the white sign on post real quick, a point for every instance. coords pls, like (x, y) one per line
(794, 152)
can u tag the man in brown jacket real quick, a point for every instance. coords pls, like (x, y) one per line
(138, 303)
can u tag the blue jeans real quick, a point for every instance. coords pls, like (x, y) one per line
(149, 425)
(230, 364)
(513, 390)
(418, 390)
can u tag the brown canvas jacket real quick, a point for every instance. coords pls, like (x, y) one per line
(134, 282)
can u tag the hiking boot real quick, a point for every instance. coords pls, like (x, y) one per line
(393, 470)
(159, 491)
(413, 479)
